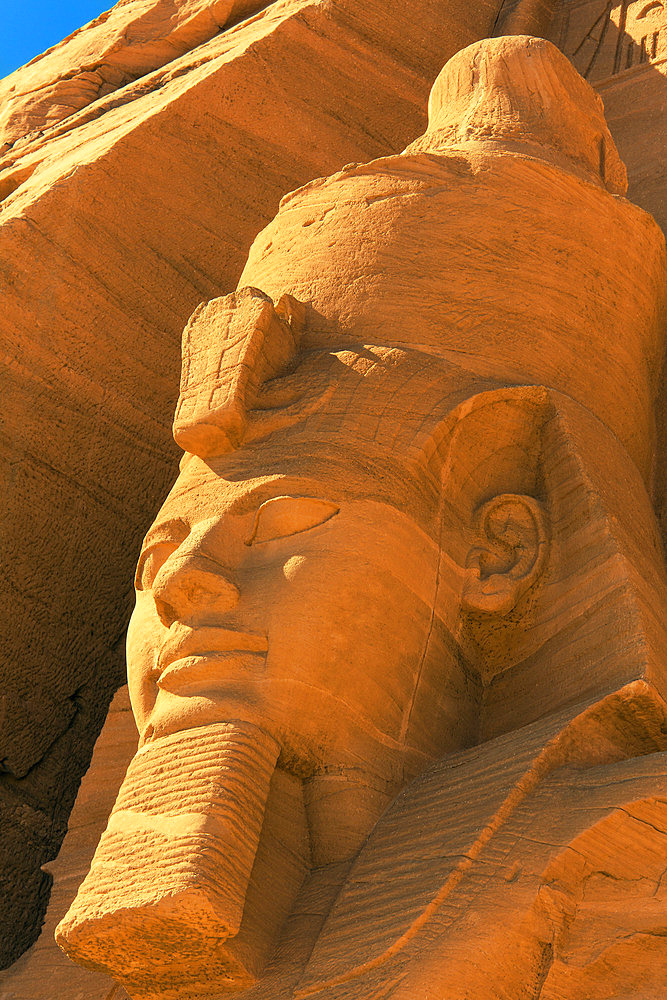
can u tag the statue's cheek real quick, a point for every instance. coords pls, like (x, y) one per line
(293, 568)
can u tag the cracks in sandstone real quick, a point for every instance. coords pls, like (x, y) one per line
(644, 822)
(167, 50)
(132, 87)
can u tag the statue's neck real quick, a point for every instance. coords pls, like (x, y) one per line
(342, 808)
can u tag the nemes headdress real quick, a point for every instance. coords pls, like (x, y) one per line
(496, 261)
(488, 307)
(499, 242)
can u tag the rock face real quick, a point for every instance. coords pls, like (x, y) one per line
(43, 972)
(122, 45)
(397, 658)
(621, 48)
(123, 209)
(138, 160)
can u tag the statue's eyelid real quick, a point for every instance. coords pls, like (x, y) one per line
(174, 530)
(288, 516)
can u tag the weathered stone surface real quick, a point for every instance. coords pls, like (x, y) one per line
(527, 17)
(122, 245)
(43, 972)
(528, 210)
(120, 46)
(116, 221)
(410, 563)
(621, 48)
(532, 879)
(604, 40)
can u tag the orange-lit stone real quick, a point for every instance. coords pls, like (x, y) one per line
(406, 597)
(139, 159)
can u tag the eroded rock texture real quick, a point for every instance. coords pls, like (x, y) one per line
(139, 171)
(397, 658)
(621, 48)
(122, 45)
(139, 159)
(43, 972)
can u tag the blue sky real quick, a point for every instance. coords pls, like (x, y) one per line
(30, 26)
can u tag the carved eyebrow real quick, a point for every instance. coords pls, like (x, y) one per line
(253, 499)
(174, 529)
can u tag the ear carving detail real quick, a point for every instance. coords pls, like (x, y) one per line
(512, 529)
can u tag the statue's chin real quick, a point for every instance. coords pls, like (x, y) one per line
(310, 743)
(175, 712)
(167, 907)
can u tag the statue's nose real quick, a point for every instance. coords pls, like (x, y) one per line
(189, 586)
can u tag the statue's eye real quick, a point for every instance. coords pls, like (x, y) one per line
(284, 516)
(150, 562)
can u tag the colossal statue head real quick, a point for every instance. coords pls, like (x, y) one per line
(401, 521)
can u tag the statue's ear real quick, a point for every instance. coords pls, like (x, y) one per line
(511, 538)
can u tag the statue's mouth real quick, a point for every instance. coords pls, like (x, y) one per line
(211, 673)
(188, 652)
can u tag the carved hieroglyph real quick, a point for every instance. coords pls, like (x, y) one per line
(409, 581)
(604, 39)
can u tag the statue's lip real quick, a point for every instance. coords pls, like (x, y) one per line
(206, 641)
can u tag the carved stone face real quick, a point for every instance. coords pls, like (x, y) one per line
(283, 602)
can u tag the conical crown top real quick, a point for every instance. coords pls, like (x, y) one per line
(523, 94)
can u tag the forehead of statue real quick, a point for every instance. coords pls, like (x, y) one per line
(382, 395)
(353, 424)
(239, 482)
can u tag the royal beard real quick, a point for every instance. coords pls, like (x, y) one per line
(169, 906)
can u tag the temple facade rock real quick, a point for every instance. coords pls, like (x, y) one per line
(397, 661)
